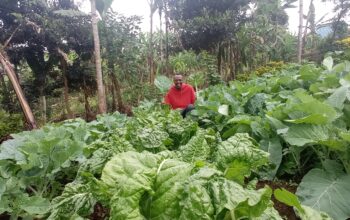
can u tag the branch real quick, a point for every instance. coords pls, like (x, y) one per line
(10, 38)
(37, 27)
(63, 54)
(28, 22)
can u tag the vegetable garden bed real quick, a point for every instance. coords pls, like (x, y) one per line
(156, 165)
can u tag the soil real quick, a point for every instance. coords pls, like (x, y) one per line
(100, 212)
(285, 211)
(5, 138)
(4, 217)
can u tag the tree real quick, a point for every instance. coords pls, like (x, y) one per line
(203, 24)
(153, 8)
(58, 26)
(209, 25)
(12, 26)
(102, 105)
(264, 37)
(19, 92)
(341, 9)
(119, 37)
(300, 31)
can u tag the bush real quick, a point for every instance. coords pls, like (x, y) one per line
(10, 123)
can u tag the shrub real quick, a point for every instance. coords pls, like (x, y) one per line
(10, 123)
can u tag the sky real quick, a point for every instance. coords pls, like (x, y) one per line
(322, 9)
(141, 8)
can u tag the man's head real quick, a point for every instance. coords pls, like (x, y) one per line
(178, 81)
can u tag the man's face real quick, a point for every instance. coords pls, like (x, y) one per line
(178, 81)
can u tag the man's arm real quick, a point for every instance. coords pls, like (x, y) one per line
(193, 95)
(166, 99)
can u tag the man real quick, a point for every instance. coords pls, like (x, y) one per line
(181, 96)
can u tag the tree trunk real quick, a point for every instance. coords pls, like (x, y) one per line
(300, 34)
(161, 37)
(150, 56)
(112, 88)
(44, 106)
(231, 57)
(102, 105)
(309, 14)
(166, 40)
(219, 59)
(19, 92)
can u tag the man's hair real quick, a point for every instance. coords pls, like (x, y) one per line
(177, 74)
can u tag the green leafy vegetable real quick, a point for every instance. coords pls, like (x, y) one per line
(238, 155)
(305, 212)
(302, 134)
(326, 192)
(75, 199)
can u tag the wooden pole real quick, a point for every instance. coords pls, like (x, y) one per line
(19, 92)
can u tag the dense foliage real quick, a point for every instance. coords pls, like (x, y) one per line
(276, 121)
(10, 123)
(158, 165)
(299, 115)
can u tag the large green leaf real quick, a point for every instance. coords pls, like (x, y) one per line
(239, 153)
(277, 125)
(288, 198)
(223, 109)
(76, 199)
(303, 211)
(232, 201)
(302, 134)
(131, 174)
(325, 192)
(169, 184)
(274, 147)
(10, 150)
(310, 119)
(4, 205)
(149, 186)
(338, 97)
(97, 161)
(163, 83)
(34, 205)
(309, 73)
(256, 104)
(237, 171)
(196, 149)
(328, 63)
(313, 112)
(197, 202)
(310, 213)
(150, 137)
(179, 130)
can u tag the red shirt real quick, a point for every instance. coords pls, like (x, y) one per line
(180, 98)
